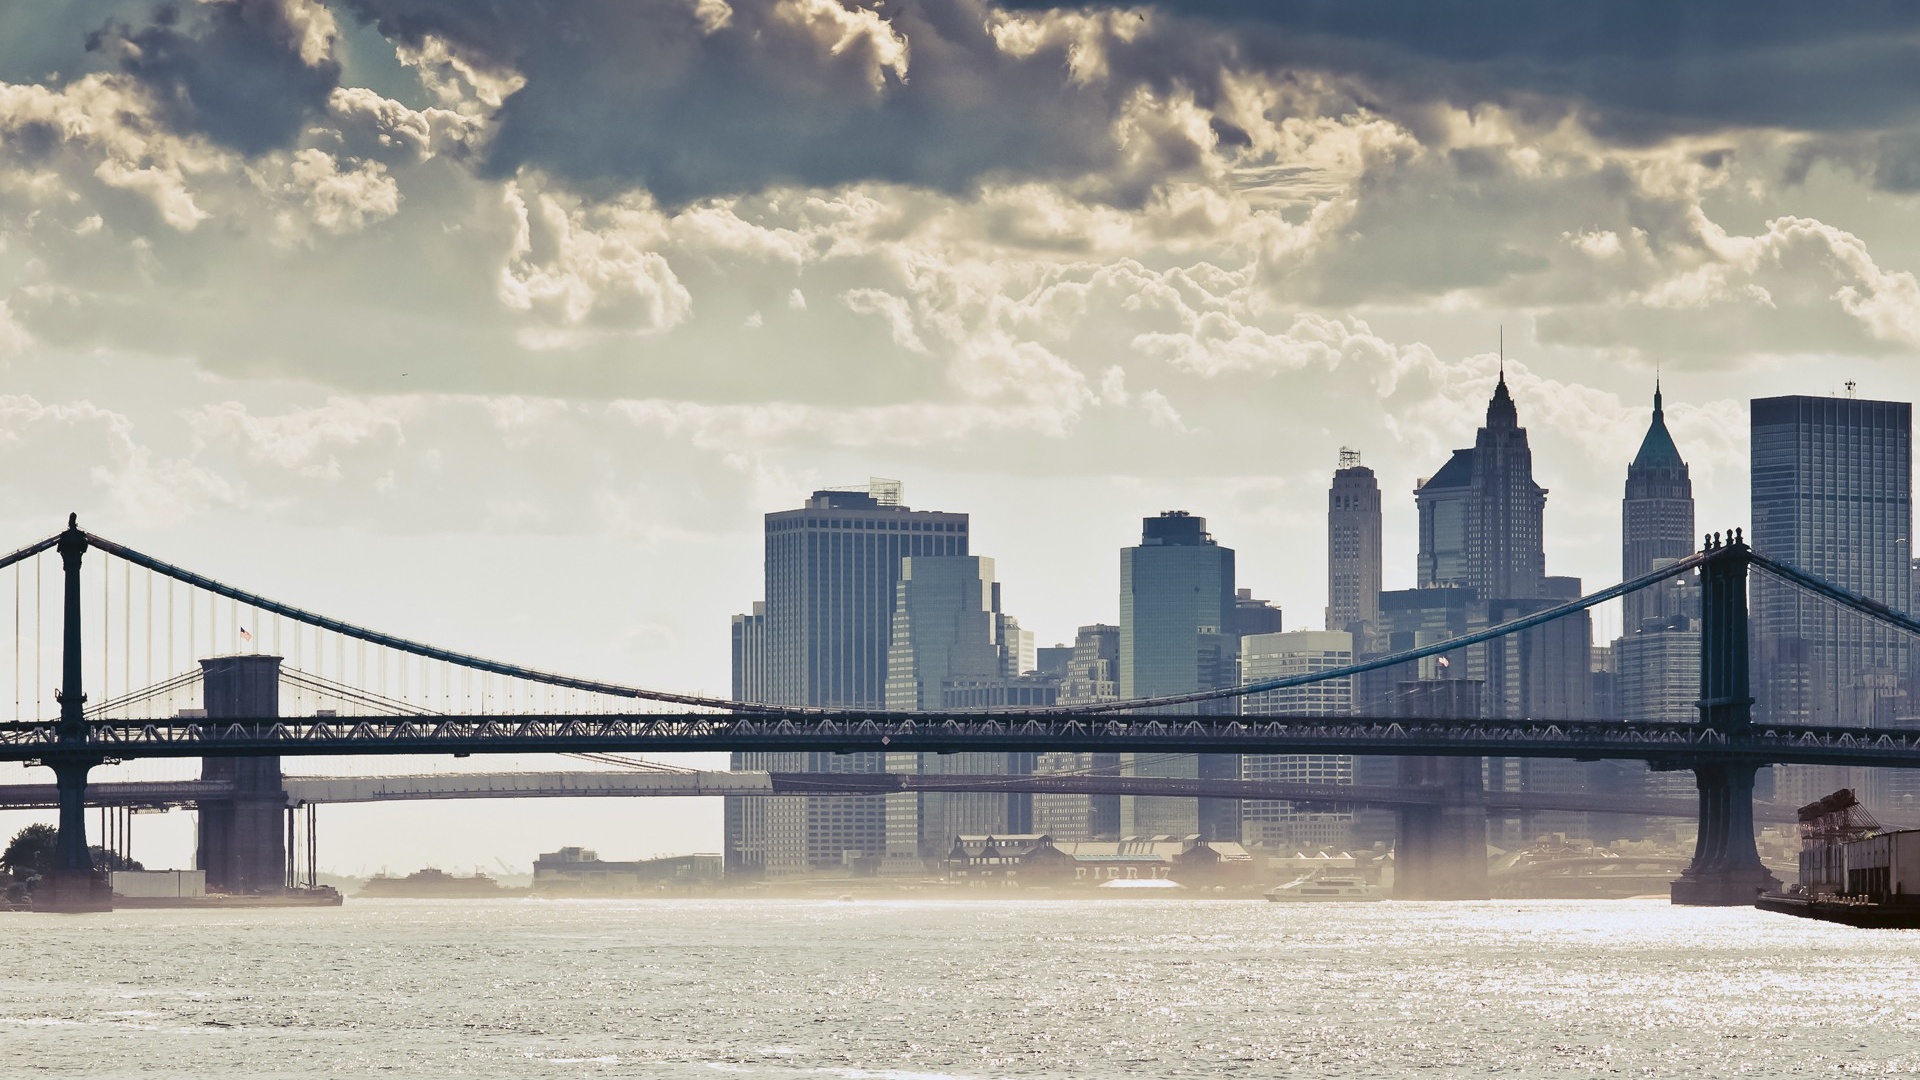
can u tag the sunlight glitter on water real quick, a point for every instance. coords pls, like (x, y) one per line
(957, 990)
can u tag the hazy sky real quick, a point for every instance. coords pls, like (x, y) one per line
(500, 325)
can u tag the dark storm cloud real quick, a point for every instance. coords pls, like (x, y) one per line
(639, 90)
(231, 70)
(1639, 69)
(618, 90)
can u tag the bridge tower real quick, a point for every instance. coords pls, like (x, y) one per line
(74, 884)
(242, 846)
(1726, 869)
(1441, 850)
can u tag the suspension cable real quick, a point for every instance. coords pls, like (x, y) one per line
(416, 648)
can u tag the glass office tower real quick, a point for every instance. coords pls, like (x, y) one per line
(1833, 495)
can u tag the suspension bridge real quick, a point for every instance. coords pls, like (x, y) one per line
(328, 687)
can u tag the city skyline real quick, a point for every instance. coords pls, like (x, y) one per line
(895, 490)
(456, 324)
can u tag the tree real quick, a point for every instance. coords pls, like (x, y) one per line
(111, 860)
(30, 852)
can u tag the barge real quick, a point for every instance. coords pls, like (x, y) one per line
(1852, 871)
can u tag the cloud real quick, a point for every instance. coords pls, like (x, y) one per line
(1635, 70)
(83, 455)
(13, 337)
(672, 96)
(578, 268)
(248, 74)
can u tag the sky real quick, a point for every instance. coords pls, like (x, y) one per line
(501, 325)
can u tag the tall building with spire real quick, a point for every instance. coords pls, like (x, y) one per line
(1506, 553)
(1353, 549)
(1481, 515)
(1656, 519)
(1657, 658)
(1482, 562)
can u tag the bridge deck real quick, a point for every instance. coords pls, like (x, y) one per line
(1673, 743)
(303, 790)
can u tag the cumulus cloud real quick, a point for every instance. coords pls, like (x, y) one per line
(762, 243)
(246, 73)
(576, 267)
(1639, 69)
(691, 100)
(77, 451)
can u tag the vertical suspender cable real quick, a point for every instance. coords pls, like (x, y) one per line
(126, 630)
(37, 623)
(106, 629)
(149, 678)
(16, 642)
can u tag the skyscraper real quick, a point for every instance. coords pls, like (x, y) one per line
(1656, 518)
(1832, 495)
(1255, 616)
(1657, 659)
(744, 821)
(1481, 514)
(1353, 549)
(1092, 676)
(1177, 636)
(1273, 656)
(947, 628)
(1483, 561)
(750, 654)
(831, 571)
(1176, 611)
(1442, 502)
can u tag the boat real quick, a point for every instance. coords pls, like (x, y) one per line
(1315, 889)
(432, 884)
(319, 896)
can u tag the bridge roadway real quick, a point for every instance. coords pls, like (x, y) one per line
(305, 790)
(1669, 743)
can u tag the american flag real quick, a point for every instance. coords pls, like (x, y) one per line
(244, 636)
(1442, 661)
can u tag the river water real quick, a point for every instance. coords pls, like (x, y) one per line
(881, 990)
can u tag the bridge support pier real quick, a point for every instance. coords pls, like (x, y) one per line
(1441, 852)
(73, 884)
(242, 847)
(1726, 869)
